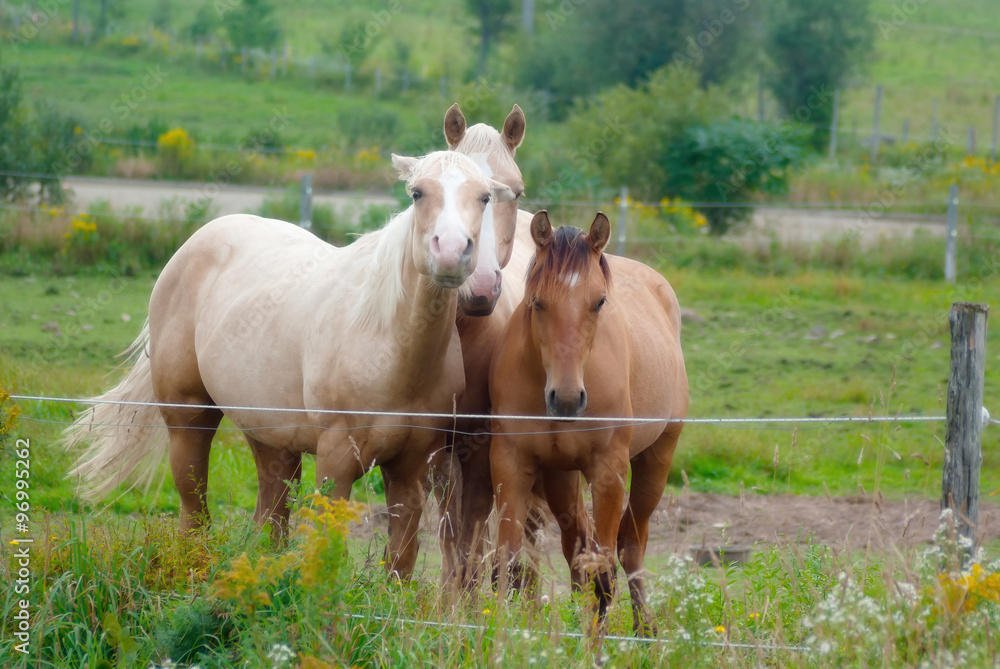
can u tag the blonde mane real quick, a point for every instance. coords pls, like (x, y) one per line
(485, 139)
(379, 262)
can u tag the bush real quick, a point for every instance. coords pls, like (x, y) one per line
(729, 161)
(38, 143)
(670, 139)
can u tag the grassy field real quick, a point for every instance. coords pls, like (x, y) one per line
(805, 343)
(812, 344)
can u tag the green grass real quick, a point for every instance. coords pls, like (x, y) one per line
(159, 603)
(809, 344)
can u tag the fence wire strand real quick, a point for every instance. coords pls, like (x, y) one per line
(603, 422)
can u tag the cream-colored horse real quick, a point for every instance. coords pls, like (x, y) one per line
(253, 312)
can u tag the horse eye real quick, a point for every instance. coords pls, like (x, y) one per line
(486, 199)
(600, 304)
(416, 195)
(535, 305)
(519, 195)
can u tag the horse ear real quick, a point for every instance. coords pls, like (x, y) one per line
(404, 165)
(600, 233)
(541, 229)
(513, 129)
(501, 192)
(454, 126)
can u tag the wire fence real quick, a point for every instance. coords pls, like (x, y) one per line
(589, 422)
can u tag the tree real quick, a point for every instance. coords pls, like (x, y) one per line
(580, 49)
(252, 24)
(492, 17)
(814, 45)
(31, 144)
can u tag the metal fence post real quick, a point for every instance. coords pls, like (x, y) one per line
(875, 128)
(306, 203)
(996, 128)
(833, 123)
(952, 238)
(963, 456)
(622, 221)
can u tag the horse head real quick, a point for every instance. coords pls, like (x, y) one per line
(450, 194)
(567, 286)
(494, 153)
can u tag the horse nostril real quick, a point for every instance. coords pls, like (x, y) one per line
(498, 286)
(550, 400)
(583, 400)
(467, 253)
(435, 245)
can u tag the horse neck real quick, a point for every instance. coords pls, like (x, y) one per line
(424, 320)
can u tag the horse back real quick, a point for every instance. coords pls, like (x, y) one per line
(651, 314)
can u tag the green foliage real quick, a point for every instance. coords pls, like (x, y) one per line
(731, 160)
(583, 48)
(492, 18)
(252, 24)
(31, 144)
(814, 45)
(668, 139)
(206, 22)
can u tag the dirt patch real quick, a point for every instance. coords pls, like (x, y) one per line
(697, 519)
(691, 520)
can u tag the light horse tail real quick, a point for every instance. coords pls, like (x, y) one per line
(119, 437)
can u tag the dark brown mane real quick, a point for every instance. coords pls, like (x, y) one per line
(568, 253)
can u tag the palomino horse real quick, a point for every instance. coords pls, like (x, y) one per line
(462, 473)
(582, 345)
(253, 312)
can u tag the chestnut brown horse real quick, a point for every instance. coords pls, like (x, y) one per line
(252, 312)
(595, 335)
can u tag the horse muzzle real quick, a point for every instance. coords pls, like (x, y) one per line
(565, 404)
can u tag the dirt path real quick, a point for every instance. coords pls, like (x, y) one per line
(148, 196)
(788, 225)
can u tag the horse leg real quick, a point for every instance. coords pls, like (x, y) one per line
(649, 477)
(275, 466)
(477, 502)
(512, 483)
(446, 480)
(404, 498)
(191, 432)
(337, 461)
(607, 483)
(565, 497)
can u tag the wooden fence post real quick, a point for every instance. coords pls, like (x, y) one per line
(963, 455)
